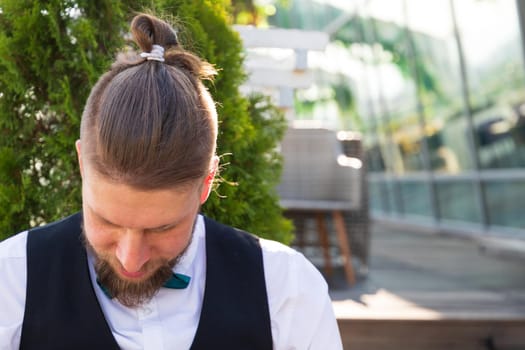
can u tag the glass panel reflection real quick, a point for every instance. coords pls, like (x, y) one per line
(415, 197)
(378, 197)
(506, 200)
(396, 87)
(492, 47)
(457, 200)
(439, 85)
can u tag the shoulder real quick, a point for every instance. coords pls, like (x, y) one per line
(288, 268)
(59, 228)
(300, 307)
(13, 282)
(13, 247)
(13, 260)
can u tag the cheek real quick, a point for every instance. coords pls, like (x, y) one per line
(170, 244)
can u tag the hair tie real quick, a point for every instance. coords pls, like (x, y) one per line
(156, 54)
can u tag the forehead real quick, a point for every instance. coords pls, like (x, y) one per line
(129, 207)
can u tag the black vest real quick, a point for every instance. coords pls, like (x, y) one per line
(62, 311)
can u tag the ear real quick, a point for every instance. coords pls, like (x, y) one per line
(208, 181)
(79, 156)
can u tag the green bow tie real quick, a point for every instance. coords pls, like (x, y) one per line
(177, 281)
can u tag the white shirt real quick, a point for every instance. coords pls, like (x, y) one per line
(301, 312)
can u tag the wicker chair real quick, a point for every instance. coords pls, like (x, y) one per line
(320, 182)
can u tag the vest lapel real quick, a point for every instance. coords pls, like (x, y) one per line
(235, 313)
(62, 311)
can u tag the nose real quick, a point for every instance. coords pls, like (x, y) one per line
(132, 250)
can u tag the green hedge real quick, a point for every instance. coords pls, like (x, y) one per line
(52, 52)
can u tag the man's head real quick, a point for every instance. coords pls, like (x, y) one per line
(147, 158)
(151, 124)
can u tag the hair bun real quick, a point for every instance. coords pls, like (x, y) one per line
(148, 31)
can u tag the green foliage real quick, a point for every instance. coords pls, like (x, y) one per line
(51, 54)
(256, 170)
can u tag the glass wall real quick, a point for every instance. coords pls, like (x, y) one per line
(400, 124)
(435, 60)
(459, 113)
(438, 90)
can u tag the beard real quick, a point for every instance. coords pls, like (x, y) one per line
(132, 293)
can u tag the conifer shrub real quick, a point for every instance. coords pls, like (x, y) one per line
(51, 54)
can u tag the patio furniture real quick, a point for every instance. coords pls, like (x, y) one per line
(320, 182)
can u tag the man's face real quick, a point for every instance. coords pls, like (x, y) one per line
(136, 235)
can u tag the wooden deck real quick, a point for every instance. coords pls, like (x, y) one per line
(425, 320)
(462, 334)
(431, 292)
